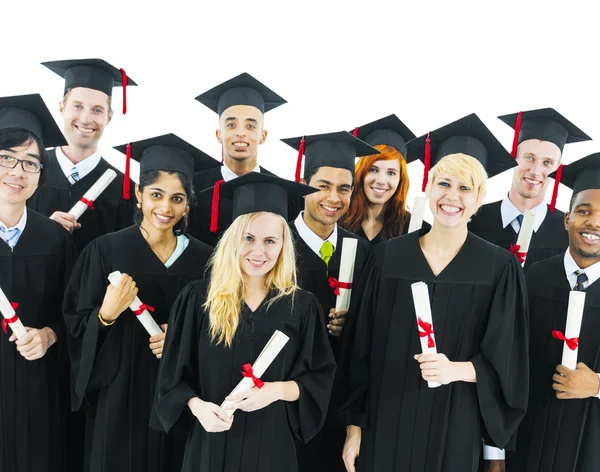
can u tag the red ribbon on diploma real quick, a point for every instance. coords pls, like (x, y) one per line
(335, 284)
(572, 343)
(247, 372)
(514, 248)
(7, 321)
(427, 331)
(141, 309)
(89, 203)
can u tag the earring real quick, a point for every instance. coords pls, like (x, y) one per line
(184, 215)
(139, 205)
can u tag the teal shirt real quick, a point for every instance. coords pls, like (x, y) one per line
(182, 243)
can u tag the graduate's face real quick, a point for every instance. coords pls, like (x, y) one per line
(241, 132)
(164, 202)
(328, 205)
(262, 242)
(17, 186)
(451, 201)
(86, 114)
(381, 181)
(583, 225)
(536, 160)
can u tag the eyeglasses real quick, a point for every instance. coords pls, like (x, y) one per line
(33, 167)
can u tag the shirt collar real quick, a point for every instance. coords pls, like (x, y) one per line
(21, 224)
(83, 167)
(312, 239)
(509, 212)
(228, 174)
(592, 272)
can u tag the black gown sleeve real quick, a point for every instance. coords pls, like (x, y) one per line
(502, 364)
(313, 370)
(179, 370)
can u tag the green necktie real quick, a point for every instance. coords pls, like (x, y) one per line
(326, 252)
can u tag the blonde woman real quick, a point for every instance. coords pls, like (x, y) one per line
(218, 326)
(478, 302)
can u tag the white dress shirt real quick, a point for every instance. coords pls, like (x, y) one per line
(312, 239)
(228, 174)
(510, 212)
(83, 167)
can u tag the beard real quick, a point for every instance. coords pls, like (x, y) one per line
(589, 254)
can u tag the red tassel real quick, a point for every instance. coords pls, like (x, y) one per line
(427, 161)
(516, 137)
(124, 80)
(214, 211)
(555, 189)
(355, 133)
(127, 179)
(299, 162)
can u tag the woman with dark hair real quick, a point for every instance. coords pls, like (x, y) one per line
(115, 361)
(378, 207)
(36, 258)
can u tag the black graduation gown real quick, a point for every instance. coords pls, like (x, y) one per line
(558, 435)
(324, 452)
(111, 212)
(479, 309)
(378, 238)
(199, 217)
(193, 365)
(549, 240)
(114, 368)
(34, 275)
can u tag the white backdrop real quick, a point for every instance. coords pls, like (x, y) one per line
(339, 64)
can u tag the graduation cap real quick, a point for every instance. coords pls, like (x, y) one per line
(29, 112)
(241, 90)
(91, 73)
(467, 136)
(545, 124)
(389, 131)
(254, 192)
(168, 153)
(339, 149)
(583, 174)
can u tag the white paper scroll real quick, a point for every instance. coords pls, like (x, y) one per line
(8, 312)
(262, 363)
(417, 214)
(346, 274)
(145, 318)
(526, 232)
(573, 328)
(420, 294)
(93, 193)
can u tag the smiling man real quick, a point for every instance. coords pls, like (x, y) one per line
(329, 167)
(561, 429)
(541, 136)
(86, 109)
(241, 103)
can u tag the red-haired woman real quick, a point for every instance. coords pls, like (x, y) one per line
(378, 207)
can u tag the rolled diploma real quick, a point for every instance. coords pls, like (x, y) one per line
(573, 328)
(261, 364)
(416, 216)
(526, 231)
(8, 312)
(145, 318)
(420, 294)
(346, 274)
(93, 193)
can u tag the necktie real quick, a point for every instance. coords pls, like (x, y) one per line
(326, 252)
(10, 236)
(582, 278)
(74, 177)
(520, 220)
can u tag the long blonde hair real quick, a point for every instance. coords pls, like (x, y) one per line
(226, 286)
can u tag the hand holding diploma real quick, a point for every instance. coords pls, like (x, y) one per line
(36, 342)
(118, 297)
(212, 417)
(575, 384)
(66, 220)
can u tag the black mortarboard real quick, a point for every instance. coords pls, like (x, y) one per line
(169, 153)
(29, 112)
(339, 149)
(467, 136)
(583, 174)
(389, 131)
(241, 90)
(91, 73)
(545, 124)
(254, 192)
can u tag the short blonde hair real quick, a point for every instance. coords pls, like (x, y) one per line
(226, 286)
(463, 167)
